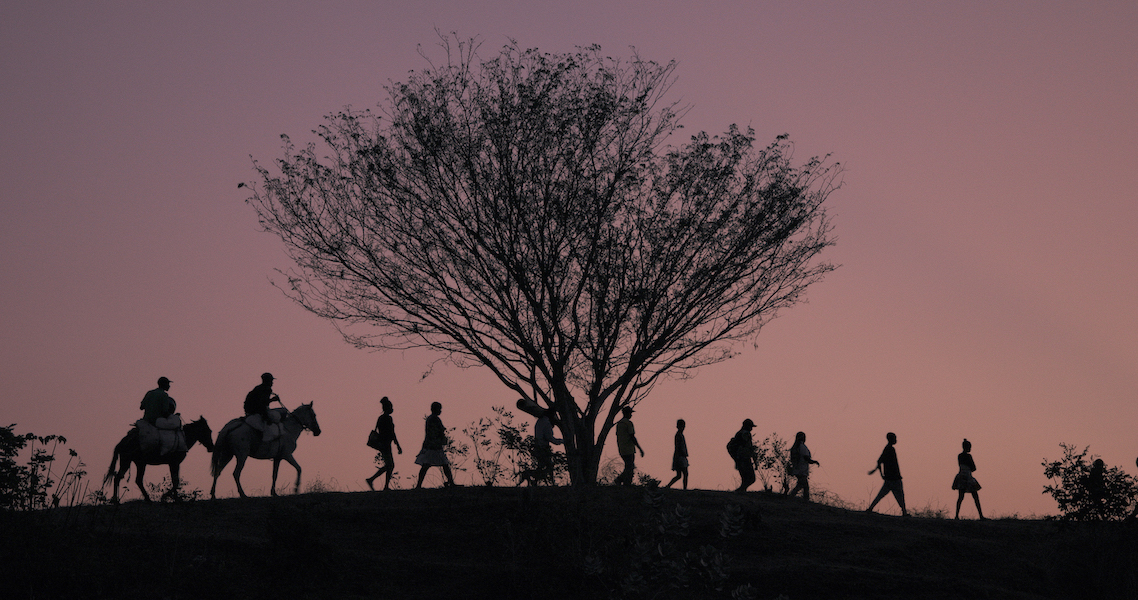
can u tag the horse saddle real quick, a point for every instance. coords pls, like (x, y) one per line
(164, 436)
(269, 431)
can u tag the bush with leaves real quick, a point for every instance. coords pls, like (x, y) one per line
(1085, 489)
(772, 463)
(502, 451)
(27, 487)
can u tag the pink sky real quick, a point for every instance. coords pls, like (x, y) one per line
(985, 228)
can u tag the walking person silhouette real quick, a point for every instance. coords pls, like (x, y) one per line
(891, 473)
(800, 461)
(385, 427)
(433, 453)
(680, 456)
(742, 451)
(964, 481)
(626, 446)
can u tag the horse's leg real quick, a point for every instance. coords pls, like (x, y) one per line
(276, 468)
(218, 461)
(237, 473)
(140, 466)
(118, 479)
(175, 481)
(296, 465)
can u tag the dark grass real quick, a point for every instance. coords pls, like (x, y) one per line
(522, 543)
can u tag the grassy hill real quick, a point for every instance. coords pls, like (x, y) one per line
(550, 543)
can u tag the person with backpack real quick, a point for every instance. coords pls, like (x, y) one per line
(742, 451)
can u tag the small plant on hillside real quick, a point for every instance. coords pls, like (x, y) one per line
(1085, 489)
(646, 480)
(27, 486)
(316, 485)
(772, 463)
(930, 512)
(162, 491)
(456, 451)
(828, 498)
(503, 453)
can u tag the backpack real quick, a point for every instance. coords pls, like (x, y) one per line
(733, 446)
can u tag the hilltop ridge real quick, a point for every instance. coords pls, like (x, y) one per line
(551, 543)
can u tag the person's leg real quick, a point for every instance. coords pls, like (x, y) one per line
(448, 474)
(959, 499)
(880, 495)
(625, 477)
(797, 485)
(976, 497)
(746, 476)
(388, 468)
(685, 474)
(422, 474)
(373, 477)
(899, 495)
(806, 488)
(674, 479)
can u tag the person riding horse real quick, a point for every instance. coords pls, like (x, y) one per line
(157, 403)
(257, 413)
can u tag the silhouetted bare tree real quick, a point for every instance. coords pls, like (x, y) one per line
(523, 213)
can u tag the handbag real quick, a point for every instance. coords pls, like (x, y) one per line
(373, 440)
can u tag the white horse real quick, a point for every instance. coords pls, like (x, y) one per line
(236, 439)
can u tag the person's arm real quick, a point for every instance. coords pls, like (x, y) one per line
(396, 440)
(878, 467)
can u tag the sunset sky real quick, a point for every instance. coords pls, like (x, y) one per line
(985, 227)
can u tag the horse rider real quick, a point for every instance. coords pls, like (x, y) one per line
(157, 403)
(257, 413)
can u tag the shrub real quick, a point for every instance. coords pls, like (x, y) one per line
(164, 492)
(772, 463)
(1088, 492)
(503, 452)
(26, 487)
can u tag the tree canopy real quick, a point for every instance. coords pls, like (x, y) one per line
(526, 213)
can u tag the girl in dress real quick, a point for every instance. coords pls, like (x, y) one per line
(965, 482)
(434, 442)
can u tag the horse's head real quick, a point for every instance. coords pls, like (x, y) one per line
(307, 418)
(199, 431)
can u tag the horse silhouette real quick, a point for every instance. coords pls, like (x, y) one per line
(236, 440)
(128, 451)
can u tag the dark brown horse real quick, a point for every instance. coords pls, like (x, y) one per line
(128, 451)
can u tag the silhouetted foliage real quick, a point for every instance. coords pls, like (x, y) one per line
(503, 453)
(1085, 493)
(772, 463)
(524, 213)
(27, 486)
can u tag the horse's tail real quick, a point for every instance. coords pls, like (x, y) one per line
(221, 450)
(110, 476)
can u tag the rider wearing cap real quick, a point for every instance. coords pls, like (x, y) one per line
(157, 403)
(257, 404)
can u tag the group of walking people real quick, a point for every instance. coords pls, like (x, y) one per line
(741, 448)
(743, 452)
